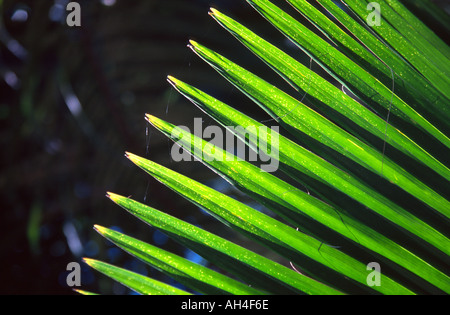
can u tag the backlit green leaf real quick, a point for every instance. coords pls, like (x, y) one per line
(250, 179)
(252, 268)
(311, 83)
(194, 276)
(293, 113)
(268, 231)
(134, 281)
(308, 163)
(357, 80)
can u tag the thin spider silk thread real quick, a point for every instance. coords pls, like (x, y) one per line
(148, 132)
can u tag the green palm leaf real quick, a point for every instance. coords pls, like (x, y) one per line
(134, 281)
(270, 232)
(192, 275)
(412, 24)
(270, 190)
(253, 268)
(401, 68)
(306, 162)
(350, 74)
(378, 59)
(427, 60)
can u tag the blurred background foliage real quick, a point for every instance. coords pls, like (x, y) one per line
(72, 101)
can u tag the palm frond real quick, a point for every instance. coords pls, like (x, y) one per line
(340, 147)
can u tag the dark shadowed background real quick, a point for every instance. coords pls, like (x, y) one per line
(73, 100)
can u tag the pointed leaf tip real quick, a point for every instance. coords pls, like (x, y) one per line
(137, 160)
(83, 292)
(192, 44)
(100, 229)
(130, 156)
(89, 261)
(154, 121)
(212, 11)
(112, 196)
(150, 118)
(172, 80)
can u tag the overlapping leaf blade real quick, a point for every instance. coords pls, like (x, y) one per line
(414, 24)
(309, 82)
(194, 276)
(134, 281)
(363, 63)
(413, 36)
(428, 61)
(248, 266)
(359, 81)
(270, 232)
(249, 178)
(296, 115)
(379, 59)
(306, 162)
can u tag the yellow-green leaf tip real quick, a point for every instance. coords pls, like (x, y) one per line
(132, 157)
(150, 118)
(213, 11)
(137, 160)
(112, 196)
(82, 292)
(192, 44)
(89, 261)
(100, 229)
(172, 80)
(154, 121)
